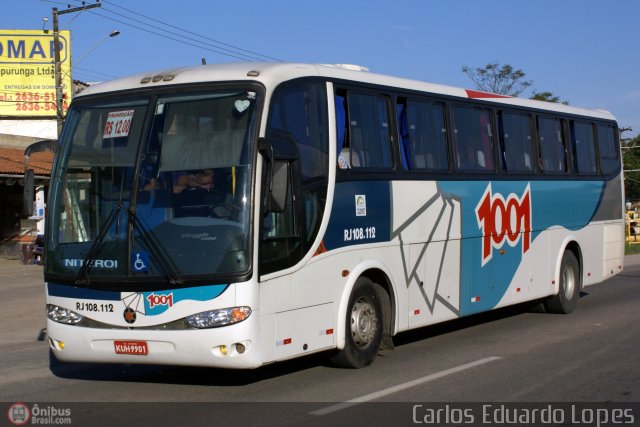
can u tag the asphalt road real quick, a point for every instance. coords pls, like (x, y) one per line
(510, 355)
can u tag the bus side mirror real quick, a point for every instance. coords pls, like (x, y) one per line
(29, 193)
(277, 194)
(277, 178)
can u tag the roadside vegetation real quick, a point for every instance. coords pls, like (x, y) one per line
(631, 248)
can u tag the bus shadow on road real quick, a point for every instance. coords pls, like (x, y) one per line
(183, 375)
(454, 325)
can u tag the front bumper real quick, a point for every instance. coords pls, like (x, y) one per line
(234, 346)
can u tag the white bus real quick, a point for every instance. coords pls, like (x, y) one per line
(242, 214)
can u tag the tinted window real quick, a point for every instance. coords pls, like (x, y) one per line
(472, 138)
(609, 162)
(423, 136)
(553, 157)
(583, 148)
(369, 136)
(299, 119)
(297, 128)
(515, 141)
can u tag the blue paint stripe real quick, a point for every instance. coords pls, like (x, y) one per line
(66, 291)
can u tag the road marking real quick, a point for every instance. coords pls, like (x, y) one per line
(403, 386)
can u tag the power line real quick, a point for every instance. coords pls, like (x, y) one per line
(97, 73)
(237, 53)
(192, 33)
(169, 37)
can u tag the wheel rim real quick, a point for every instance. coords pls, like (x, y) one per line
(364, 322)
(568, 281)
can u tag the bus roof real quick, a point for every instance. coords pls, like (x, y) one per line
(271, 74)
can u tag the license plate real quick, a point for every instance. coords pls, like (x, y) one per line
(136, 348)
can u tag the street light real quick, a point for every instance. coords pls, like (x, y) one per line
(96, 44)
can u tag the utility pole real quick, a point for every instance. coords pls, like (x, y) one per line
(57, 71)
(56, 59)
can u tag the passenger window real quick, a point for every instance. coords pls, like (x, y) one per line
(515, 142)
(609, 160)
(344, 151)
(583, 148)
(423, 136)
(367, 140)
(472, 139)
(553, 155)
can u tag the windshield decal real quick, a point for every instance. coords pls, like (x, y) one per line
(93, 263)
(140, 262)
(241, 105)
(118, 124)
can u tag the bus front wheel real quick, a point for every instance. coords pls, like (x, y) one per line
(364, 326)
(565, 301)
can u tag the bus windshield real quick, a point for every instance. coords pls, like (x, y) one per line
(183, 211)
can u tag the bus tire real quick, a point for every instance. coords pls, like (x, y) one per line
(565, 301)
(364, 326)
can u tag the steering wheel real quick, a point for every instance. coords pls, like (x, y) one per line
(227, 209)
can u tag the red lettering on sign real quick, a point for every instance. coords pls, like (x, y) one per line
(503, 221)
(160, 300)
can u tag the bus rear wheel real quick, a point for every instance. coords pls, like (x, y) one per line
(565, 301)
(364, 326)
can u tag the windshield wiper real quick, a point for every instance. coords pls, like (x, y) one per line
(82, 278)
(171, 272)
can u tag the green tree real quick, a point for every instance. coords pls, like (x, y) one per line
(505, 80)
(547, 96)
(496, 78)
(631, 162)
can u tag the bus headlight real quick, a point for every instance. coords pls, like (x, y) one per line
(62, 315)
(216, 318)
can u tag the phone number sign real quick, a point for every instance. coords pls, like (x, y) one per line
(27, 75)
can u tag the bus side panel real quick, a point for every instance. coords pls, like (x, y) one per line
(502, 222)
(307, 330)
(427, 229)
(611, 211)
(444, 255)
(613, 249)
(301, 308)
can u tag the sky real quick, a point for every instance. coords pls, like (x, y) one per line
(584, 51)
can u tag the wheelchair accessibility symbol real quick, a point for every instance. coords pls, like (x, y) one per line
(140, 262)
